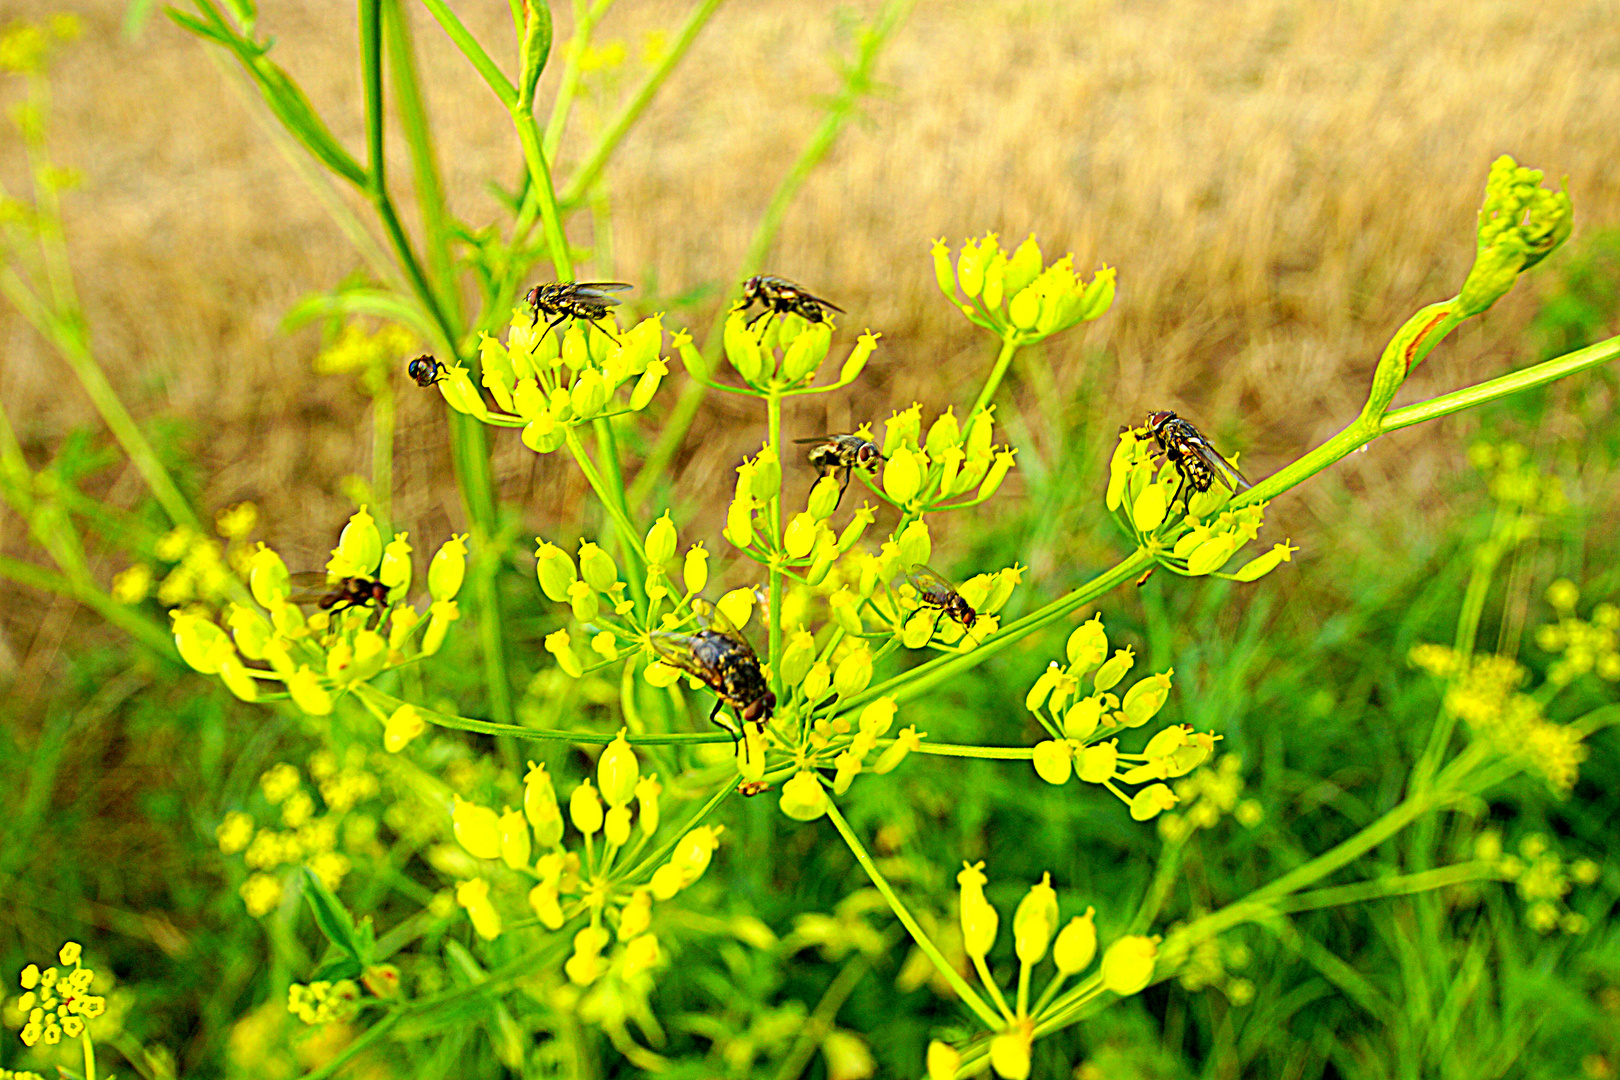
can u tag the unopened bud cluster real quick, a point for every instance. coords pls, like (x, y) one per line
(1014, 295)
(321, 656)
(1082, 723)
(1543, 879)
(548, 383)
(1189, 532)
(524, 855)
(1127, 966)
(780, 354)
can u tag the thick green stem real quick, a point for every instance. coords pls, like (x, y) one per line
(1004, 359)
(924, 942)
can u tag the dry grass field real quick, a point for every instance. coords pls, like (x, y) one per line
(1278, 182)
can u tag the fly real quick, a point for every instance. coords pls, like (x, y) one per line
(588, 300)
(781, 296)
(847, 451)
(933, 590)
(1194, 456)
(426, 370)
(319, 588)
(721, 658)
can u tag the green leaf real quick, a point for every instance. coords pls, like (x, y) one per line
(332, 917)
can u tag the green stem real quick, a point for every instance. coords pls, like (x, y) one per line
(993, 753)
(1381, 888)
(604, 494)
(463, 39)
(608, 141)
(773, 411)
(89, 1057)
(634, 873)
(354, 1049)
(820, 1022)
(437, 224)
(924, 677)
(1512, 383)
(1009, 348)
(924, 942)
(857, 83)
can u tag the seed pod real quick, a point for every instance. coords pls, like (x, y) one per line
(1127, 966)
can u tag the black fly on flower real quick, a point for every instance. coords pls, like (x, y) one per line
(335, 594)
(1193, 455)
(426, 370)
(781, 297)
(935, 591)
(721, 658)
(847, 451)
(588, 300)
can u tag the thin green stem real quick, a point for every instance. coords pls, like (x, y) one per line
(89, 1057)
(437, 224)
(608, 141)
(586, 16)
(821, 1021)
(604, 495)
(995, 991)
(463, 39)
(1381, 888)
(691, 823)
(1009, 348)
(969, 997)
(1512, 383)
(842, 109)
(773, 411)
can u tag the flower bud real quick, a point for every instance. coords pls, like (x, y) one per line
(1149, 509)
(529, 402)
(736, 607)
(695, 571)
(1114, 669)
(1097, 761)
(877, 717)
(1076, 945)
(742, 348)
(308, 693)
(1083, 718)
(914, 543)
(405, 724)
(267, 577)
(474, 896)
(1127, 966)
(904, 743)
(585, 965)
(740, 521)
(514, 840)
(918, 629)
(979, 919)
(1053, 761)
(448, 568)
(806, 352)
(691, 856)
(555, 570)
(852, 532)
(803, 798)
(848, 766)
(661, 540)
(854, 672)
(943, 1061)
(540, 807)
(993, 283)
(998, 473)
(858, 356)
(596, 566)
(823, 498)
(440, 615)
(845, 610)
(902, 429)
(797, 656)
(557, 644)
(359, 547)
(585, 809)
(970, 266)
(1025, 309)
(202, 644)
(1035, 921)
(647, 385)
(1143, 701)
(477, 828)
(546, 432)
(800, 535)
(945, 434)
(234, 674)
(395, 571)
(946, 276)
(616, 826)
(1212, 554)
(817, 681)
(1147, 803)
(617, 771)
(767, 481)
(1265, 564)
(584, 603)
(902, 476)
(543, 901)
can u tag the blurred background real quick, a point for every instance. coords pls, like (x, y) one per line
(1279, 184)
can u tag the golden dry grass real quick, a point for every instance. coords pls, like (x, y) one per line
(1278, 182)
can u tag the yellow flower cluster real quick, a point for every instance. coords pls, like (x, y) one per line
(1080, 726)
(374, 357)
(1127, 967)
(1543, 878)
(308, 839)
(201, 569)
(322, 1002)
(1588, 645)
(549, 383)
(1188, 532)
(25, 48)
(560, 883)
(1206, 796)
(1485, 693)
(58, 1002)
(1014, 296)
(320, 657)
(780, 354)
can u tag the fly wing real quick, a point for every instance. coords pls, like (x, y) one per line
(818, 300)
(926, 579)
(597, 291)
(309, 587)
(676, 651)
(1206, 452)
